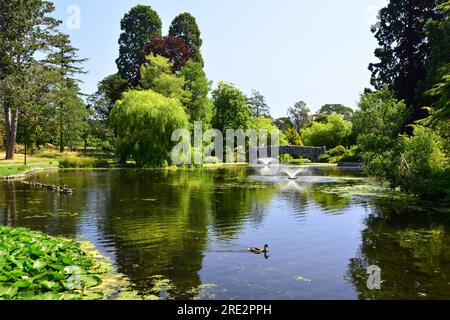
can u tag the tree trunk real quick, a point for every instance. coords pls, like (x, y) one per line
(11, 117)
(61, 142)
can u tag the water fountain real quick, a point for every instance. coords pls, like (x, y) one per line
(266, 161)
(292, 173)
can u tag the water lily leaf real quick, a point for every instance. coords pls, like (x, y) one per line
(23, 284)
(39, 264)
(57, 267)
(90, 281)
(50, 285)
(8, 291)
(58, 276)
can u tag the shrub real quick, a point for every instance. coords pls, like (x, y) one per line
(83, 162)
(325, 158)
(338, 151)
(416, 165)
(286, 158)
(293, 137)
(335, 132)
(300, 161)
(352, 155)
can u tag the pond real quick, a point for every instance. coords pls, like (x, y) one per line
(185, 234)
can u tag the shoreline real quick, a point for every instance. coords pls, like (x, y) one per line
(25, 174)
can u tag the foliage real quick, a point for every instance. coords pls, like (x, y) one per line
(324, 158)
(415, 164)
(83, 162)
(138, 26)
(330, 135)
(299, 115)
(171, 47)
(266, 124)
(30, 40)
(441, 93)
(438, 34)
(352, 154)
(330, 109)
(185, 26)
(36, 266)
(286, 158)
(404, 49)
(110, 89)
(380, 113)
(156, 75)
(144, 122)
(293, 137)
(283, 123)
(231, 110)
(199, 106)
(377, 123)
(257, 103)
(338, 151)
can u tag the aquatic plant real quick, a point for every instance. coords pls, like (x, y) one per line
(34, 266)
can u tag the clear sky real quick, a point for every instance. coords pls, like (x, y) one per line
(290, 50)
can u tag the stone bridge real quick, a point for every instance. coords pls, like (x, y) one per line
(311, 153)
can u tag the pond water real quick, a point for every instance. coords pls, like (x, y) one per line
(185, 234)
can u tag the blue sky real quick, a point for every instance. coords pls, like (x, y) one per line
(290, 50)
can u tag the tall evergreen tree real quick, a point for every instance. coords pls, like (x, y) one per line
(299, 115)
(438, 32)
(138, 26)
(404, 49)
(185, 26)
(257, 102)
(27, 32)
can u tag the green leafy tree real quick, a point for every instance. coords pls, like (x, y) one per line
(299, 115)
(257, 103)
(267, 125)
(28, 35)
(145, 121)
(231, 110)
(69, 115)
(335, 132)
(157, 75)
(283, 123)
(200, 107)
(185, 26)
(438, 34)
(110, 89)
(415, 164)
(339, 109)
(138, 26)
(293, 137)
(380, 113)
(404, 50)
(438, 80)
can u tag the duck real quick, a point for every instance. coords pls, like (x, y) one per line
(259, 250)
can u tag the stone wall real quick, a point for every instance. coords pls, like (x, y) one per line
(311, 153)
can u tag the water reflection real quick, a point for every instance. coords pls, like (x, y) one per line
(411, 248)
(184, 234)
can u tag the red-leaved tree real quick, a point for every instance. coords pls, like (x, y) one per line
(172, 47)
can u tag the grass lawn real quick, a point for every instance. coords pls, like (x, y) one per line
(45, 159)
(17, 166)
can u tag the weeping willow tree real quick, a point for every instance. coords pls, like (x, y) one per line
(144, 122)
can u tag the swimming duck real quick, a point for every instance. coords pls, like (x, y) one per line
(259, 250)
